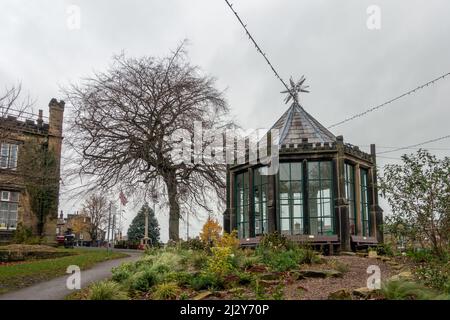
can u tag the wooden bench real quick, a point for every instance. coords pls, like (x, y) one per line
(362, 241)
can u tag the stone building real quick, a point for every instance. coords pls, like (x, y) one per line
(324, 192)
(80, 225)
(30, 171)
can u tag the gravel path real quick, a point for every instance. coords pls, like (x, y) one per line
(355, 277)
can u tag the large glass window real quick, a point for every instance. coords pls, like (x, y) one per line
(8, 209)
(242, 205)
(291, 198)
(365, 212)
(8, 156)
(260, 199)
(350, 195)
(320, 197)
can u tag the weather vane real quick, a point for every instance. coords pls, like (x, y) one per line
(295, 89)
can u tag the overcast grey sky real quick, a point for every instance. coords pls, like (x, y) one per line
(349, 68)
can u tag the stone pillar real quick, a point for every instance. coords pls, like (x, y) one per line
(378, 212)
(251, 204)
(232, 211)
(341, 203)
(226, 214)
(55, 131)
(358, 221)
(272, 219)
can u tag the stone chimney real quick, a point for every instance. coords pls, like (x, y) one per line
(56, 111)
(40, 121)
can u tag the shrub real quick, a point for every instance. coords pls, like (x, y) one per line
(229, 240)
(143, 280)
(245, 278)
(123, 272)
(407, 290)
(309, 255)
(385, 249)
(167, 261)
(274, 241)
(182, 278)
(166, 291)
(249, 261)
(435, 275)
(283, 260)
(221, 261)
(421, 255)
(106, 290)
(197, 259)
(210, 233)
(206, 281)
(24, 235)
(339, 266)
(193, 244)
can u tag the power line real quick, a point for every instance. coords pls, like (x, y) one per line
(391, 158)
(289, 90)
(383, 147)
(416, 145)
(390, 101)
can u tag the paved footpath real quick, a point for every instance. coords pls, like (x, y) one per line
(55, 289)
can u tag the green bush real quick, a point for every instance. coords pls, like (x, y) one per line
(106, 290)
(283, 260)
(182, 278)
(421, 255)
(143, 280)
(385, 249)
(249, 261)
(339, 266)
(435, 275)
(407, 290)
(123, 272)
(206, 281)
(24, 235)
(245, 278)
(274, 241)
(165, 291)
(197, 259)
(193, 244)
(167, 261)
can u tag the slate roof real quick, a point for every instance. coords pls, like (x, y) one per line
(296, 124)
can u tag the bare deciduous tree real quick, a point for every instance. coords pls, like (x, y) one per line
(95, 208)
(11, 104)
(123, 123)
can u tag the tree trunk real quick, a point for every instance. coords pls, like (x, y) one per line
(174, 207)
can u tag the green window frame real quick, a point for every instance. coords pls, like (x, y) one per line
(290, 195)
(242, 204)
(350, 196)
(365, 212)
(320, 198)
(260, 187)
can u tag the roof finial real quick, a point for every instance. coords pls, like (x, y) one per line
(295, 89)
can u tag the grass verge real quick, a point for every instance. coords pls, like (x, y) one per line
(23, 274)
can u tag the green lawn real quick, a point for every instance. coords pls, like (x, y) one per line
(15, 276)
